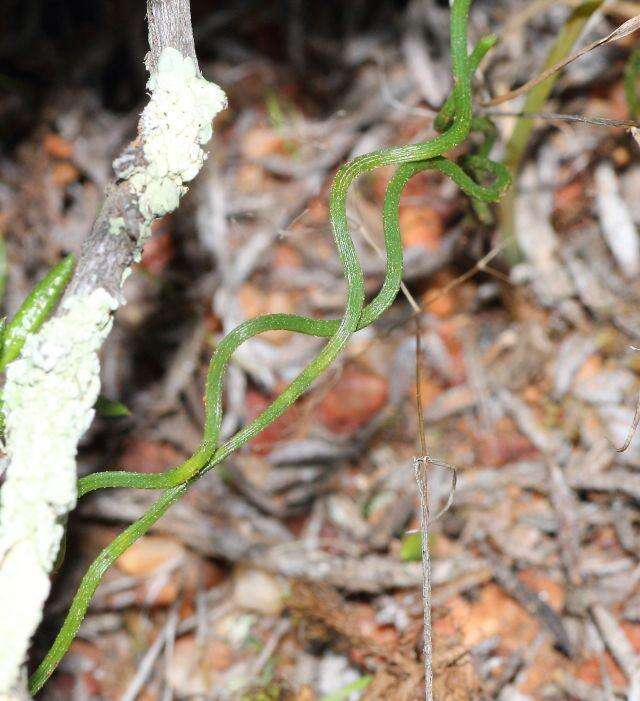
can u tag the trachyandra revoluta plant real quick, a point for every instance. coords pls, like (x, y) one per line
(179, 93)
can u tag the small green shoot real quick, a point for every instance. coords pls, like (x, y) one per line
(111, 408)
(281, 117)
(411, 548)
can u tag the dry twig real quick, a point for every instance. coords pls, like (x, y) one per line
(622, 31)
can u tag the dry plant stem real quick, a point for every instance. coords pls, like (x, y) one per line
(420, 469)
(169, 25)
(632, 429)
(629, 27)
(52, 387)
(517, 145)
(555, 117)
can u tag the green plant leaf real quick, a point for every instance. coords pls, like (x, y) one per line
(411, 548)
(111, 408)
(35, 309)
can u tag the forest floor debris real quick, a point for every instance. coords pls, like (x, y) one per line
(281, 575)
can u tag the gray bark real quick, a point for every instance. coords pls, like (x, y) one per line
(169, 25)
(104, 257)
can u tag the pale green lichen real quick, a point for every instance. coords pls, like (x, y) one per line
(173, 127)
(49, 397)
(116, 225)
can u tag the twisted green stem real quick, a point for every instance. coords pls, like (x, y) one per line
(412, 159)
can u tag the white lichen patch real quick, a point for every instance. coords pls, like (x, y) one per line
(174, 126)
(116, 225)
(49, 397)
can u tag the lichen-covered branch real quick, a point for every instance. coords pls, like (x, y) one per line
(49, 395)
(50, 391)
